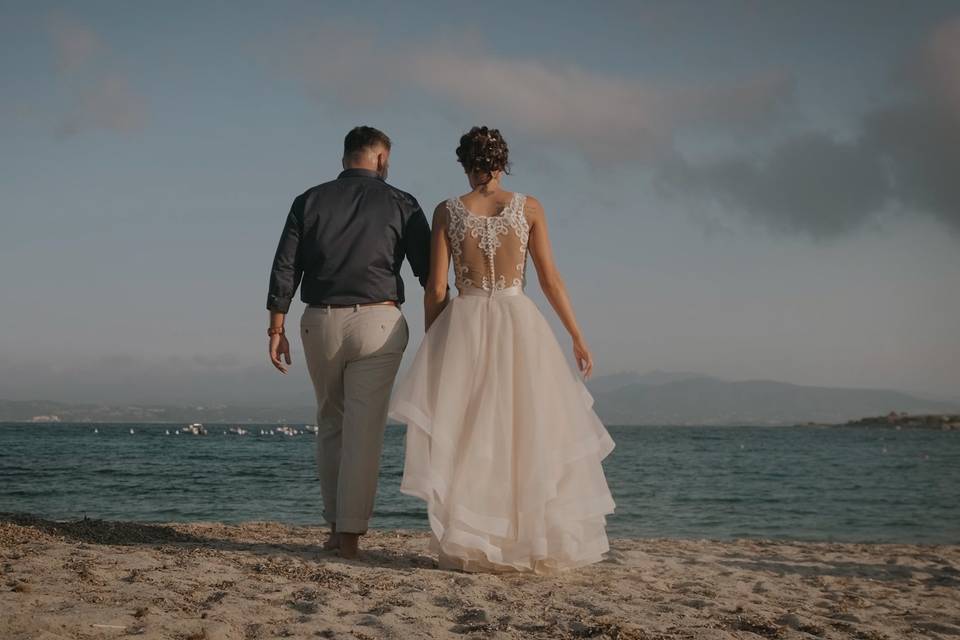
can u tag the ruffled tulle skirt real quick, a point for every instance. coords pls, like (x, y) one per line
(502, 442)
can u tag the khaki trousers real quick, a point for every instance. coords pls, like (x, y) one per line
(353, 355)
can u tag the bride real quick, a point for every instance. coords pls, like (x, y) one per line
(502, 442)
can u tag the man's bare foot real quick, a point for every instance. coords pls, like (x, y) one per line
(349, 545)
(333, 540)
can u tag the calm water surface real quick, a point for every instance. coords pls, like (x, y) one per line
(850, 484)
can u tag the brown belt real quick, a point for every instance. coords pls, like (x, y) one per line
(348, 306)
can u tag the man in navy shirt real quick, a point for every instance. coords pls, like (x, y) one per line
(343, 244)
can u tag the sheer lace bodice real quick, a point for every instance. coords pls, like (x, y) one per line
(489, 252)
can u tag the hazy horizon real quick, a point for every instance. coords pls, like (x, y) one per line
(741, 189)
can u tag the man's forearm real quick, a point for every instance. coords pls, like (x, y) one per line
(277, 319)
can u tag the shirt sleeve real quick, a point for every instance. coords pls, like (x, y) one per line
(286, 271)
(416, 238)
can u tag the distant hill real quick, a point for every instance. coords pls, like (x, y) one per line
(697, 399)
(618, 381)
(658, 397)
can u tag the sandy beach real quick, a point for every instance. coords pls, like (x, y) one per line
(105, 579)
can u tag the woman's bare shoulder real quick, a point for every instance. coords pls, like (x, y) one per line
(532, 207)
(441, 211)
(532, 201)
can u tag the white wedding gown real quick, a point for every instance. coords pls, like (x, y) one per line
(502, 442)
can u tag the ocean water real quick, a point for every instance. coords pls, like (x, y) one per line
(804, 483)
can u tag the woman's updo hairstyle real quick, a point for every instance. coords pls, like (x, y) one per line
(483, 151)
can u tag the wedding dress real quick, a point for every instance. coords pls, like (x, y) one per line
(502, 441)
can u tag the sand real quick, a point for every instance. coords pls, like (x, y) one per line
(105, 579)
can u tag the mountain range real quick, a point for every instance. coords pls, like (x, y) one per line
(657, 397)
(688, 398)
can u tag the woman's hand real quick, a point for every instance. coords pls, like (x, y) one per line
(581, 353)
(552, 284)
(279, 346)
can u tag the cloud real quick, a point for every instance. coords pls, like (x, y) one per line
(902, 159)
(100, 94)
(108, 103)
(812, 184)
(940, 66)
(906, 157)
(341, 64)
(608, 118)
(75, 45)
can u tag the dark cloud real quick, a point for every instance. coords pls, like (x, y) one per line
(812, 184)
(906, 157)
(921, 143)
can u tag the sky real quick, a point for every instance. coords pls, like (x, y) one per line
(745, 189)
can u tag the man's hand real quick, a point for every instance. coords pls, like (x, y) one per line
(279, 346)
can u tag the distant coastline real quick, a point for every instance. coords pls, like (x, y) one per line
(657, 398)
(930, 422)
(894, 420)
(268, 416)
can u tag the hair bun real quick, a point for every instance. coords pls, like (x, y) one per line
(483, 150)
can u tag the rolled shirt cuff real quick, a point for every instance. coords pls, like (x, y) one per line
(278, 303)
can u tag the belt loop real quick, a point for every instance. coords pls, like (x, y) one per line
(356, 308)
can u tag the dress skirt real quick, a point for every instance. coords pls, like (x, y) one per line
(502, 442)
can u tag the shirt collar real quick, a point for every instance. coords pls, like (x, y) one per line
(359, 173)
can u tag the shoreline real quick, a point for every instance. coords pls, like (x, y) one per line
(96, 522)
(857, 424)
(103, 578)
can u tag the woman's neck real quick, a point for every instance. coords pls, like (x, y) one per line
(488, 188)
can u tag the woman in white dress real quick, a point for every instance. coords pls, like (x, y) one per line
(502, 442)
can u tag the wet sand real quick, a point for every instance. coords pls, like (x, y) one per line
(106, 579)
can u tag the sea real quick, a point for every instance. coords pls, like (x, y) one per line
(796, 483)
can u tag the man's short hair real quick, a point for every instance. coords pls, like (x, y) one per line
(361, 138)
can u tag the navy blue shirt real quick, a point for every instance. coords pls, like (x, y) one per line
(346, 240)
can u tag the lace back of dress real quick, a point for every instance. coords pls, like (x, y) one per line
(489, 252)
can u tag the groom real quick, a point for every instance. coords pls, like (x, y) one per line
(346, 240)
